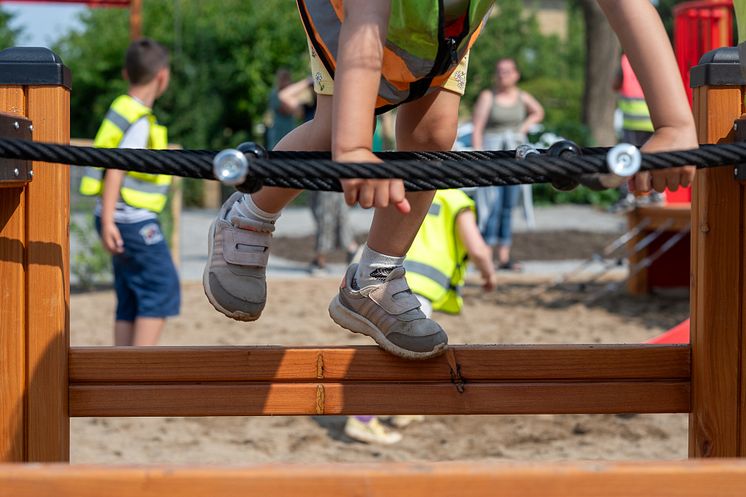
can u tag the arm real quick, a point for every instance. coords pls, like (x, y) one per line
(479, 119)
(135, 137)
(110, 236)
(356, 82)
(291, 96)
(479, 252)
(534, 112)
(644, 40)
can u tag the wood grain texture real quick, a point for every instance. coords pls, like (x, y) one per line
(717, 298)
(12, 304)
(369, 363)
(205, 381)
(48, 214)
(721, 478)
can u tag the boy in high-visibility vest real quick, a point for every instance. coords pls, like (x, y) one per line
(368, 57)
(145, 279)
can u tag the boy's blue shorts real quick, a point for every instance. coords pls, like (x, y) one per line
(145, 278)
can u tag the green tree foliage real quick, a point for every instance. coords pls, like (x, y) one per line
(8, 35)
(552, 69)
(224, 57)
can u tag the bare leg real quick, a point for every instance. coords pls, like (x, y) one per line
(124, 332)
(426, 124)
(312, 135)
(147, 331)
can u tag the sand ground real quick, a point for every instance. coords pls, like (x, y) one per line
(296, 315)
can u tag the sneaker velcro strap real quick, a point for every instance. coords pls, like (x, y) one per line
(395, 297)
(246, 248)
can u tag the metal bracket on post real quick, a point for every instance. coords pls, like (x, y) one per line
(739, 135)
(15, 172)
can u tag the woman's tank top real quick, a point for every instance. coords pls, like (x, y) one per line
(504, 118)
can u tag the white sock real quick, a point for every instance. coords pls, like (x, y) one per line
(246, 208)
(374, 267)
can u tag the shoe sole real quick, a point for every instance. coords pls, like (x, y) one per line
(356, 323)
(237, 315)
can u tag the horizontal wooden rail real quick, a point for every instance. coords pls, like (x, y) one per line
(248, 381)
(721, 478)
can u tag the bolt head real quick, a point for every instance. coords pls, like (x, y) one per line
(230, 167)
(16, 125)
(30, 127)
(624, 160)
(16, 172)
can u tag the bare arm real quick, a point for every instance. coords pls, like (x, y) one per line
(479, 252)
(644, 40)
(356, 82)
(291, 96)
(479, 119)
(110, 235)
(534, 112)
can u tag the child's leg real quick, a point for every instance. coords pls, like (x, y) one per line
(123, 333)
(429, 123)
(374, 298)
(312, 135)
(234, 278)
(147, 331)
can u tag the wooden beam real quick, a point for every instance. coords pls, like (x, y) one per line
(722, 478)
(295, 399)
(13, 308)
(718, 299)
(369, 363)
(34, 268)
(233, 381)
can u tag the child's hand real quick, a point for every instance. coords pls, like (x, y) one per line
(111, 238)
(489, 281)
(663, 140)
(372, 192)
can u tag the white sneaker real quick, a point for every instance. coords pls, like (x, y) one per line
(402, 421)
(372, 432)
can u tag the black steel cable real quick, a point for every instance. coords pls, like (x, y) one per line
(420, 170)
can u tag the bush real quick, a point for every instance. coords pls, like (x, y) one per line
(91, 264)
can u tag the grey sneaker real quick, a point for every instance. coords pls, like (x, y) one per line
(234, 278)
(390, 314)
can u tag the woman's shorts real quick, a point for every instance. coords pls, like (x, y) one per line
(145, 279)
(323, 84)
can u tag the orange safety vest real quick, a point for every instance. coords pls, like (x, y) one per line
(418, 56)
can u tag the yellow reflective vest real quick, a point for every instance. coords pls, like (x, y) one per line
(436, 262)
(632, 101)
(740, 9)
(141, 190)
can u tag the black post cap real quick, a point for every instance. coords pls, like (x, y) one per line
(33, 66)
(719, 67)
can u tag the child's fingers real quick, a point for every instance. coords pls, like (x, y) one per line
(382, 195)
(367, 195)
(398, 196)
(687, 175)
(350, 189)
(659, 180)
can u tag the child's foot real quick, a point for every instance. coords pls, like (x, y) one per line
(234, 278)
(372, 432)
(390, 314)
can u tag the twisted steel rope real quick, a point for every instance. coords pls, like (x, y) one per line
(419, 170)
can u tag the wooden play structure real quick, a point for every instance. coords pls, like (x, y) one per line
(43, 381)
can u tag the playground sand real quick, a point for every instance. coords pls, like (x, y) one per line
(296, 315)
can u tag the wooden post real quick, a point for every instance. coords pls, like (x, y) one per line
(717, 425)
(135, 19)
(34, 268)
